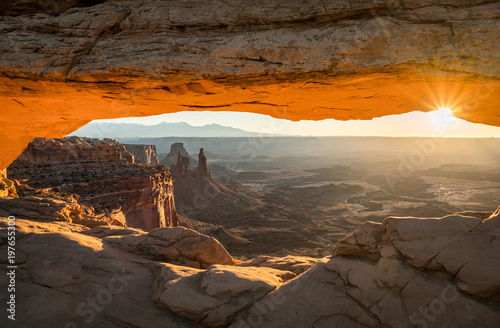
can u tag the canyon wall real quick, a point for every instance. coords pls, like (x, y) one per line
(344, 59)
(182, 166)
(144, 154)
(172, 157)
(104, 176)
(74, 149)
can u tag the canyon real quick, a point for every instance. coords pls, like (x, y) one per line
(400, 272)
(98, 241)
(104, 175)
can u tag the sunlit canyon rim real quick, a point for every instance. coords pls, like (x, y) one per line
(98, 238)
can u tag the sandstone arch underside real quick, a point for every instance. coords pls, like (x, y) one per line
(63, 66)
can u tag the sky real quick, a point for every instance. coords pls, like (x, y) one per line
(437, 123)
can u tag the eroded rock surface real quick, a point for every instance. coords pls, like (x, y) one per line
(215, 296)
(172, 157)
(144, 154)
(104, 176)
(295, 264)
(7, 187)
(40, 204)
(68, 273)
(202, 169)
(389, 275)
(68, 279)
(341, 59)
(177, 245)
(73, 149)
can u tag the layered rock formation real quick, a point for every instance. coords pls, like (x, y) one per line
(73, 149)
(52, 207)
(7, 187)
(347, 59)
(27, 7)
(102, 173)
(182, 167)
(198, 195)
(172, 157)
(144, 154)
(202, 169)
(405, 272)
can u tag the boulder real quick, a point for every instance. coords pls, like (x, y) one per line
(177, 245)
(215, 296)
(295, 264)
(420, 240)
(405, 272)
(364, 241)
(66, 278)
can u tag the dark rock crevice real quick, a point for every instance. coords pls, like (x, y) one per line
(50, 7)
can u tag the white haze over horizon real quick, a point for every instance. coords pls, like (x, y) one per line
(438, 123)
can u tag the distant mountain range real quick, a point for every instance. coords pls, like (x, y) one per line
(128, 130)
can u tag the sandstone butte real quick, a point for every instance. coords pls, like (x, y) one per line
(63, 64)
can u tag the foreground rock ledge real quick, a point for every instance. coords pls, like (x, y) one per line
(405, 272)
(347, 59)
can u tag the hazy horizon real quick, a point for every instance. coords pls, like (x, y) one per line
(413, 124)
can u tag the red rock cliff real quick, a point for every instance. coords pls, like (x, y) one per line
(144, 154)
(105, 179)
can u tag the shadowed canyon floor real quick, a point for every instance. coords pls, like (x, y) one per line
(300, 196)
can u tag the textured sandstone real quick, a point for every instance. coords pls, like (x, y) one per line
(102, 174)
(396, 288)
(420, 243)
(172, 157)
(295, 264)
(76, 265)
(342, 59)
(215, 296)
(66, 277)
(72, 149)
(7, 187)
(202, 169)
(364, 241)
(144, 154)
(54, 209)
(39, 204)
(177, 245)
(182, 167)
